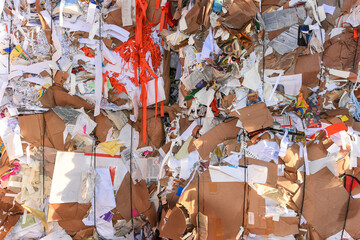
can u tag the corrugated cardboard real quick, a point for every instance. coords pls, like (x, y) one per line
(325, 198)
(207, 142)
(254, 117)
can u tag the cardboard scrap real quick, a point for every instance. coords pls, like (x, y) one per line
(149, 119)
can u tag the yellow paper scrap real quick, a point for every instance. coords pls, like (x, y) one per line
(111, 147)
(344, 118)
(38, 214)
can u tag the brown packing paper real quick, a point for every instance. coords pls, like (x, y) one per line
(69, 216)
(254, 117)
(84, 233)
(325, 200)
(102, 127)
(67, 211)
(274, 34)
(77, 229)
(151, 215)
(55, 127)
(284, 62)
(207, 142)
(316, 150)
(58, 96)
(154, 130)
(266, 4)
(114, 17)
(32, 130)
(204, 16)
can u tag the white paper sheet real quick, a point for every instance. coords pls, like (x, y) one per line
(292, 83)
(255, 174)
(66, 182)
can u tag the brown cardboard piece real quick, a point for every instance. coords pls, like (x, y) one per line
(60, 77)
(292, 158)
(140, 198)
(102, 127)
(216, 200)
(153, 14)
(175, 225)
(272, 170)
(191, 17)
(240, 13)
(325, 200)
(254, 117)
(67, 211)
(10, 214)
(55, 127)
(32, 130)
(4, 164)
(309, 67)
(69, 216)
(285, 226)
(339, 52)
(207, 142)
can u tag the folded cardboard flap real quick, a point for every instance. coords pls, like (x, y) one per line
(240, 13)
(325, 198)
(139, 200)
(11, 212)
(67, 211)
(102, 127)
(58, 96)
(32, 128)
(292, 158)
(207, 142)
(224, 222)
(254, 117)
(175, 224)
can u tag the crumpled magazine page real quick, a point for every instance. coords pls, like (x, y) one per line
(179, 119)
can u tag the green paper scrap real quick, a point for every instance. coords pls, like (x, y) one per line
(192, 94)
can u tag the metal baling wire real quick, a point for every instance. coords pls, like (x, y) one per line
(10, 43)
(51, 33)
(198, 201)
(44, 123)
(98, 3)
(242, 140)
(352, 180)
(43, 164)
(131, 193)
